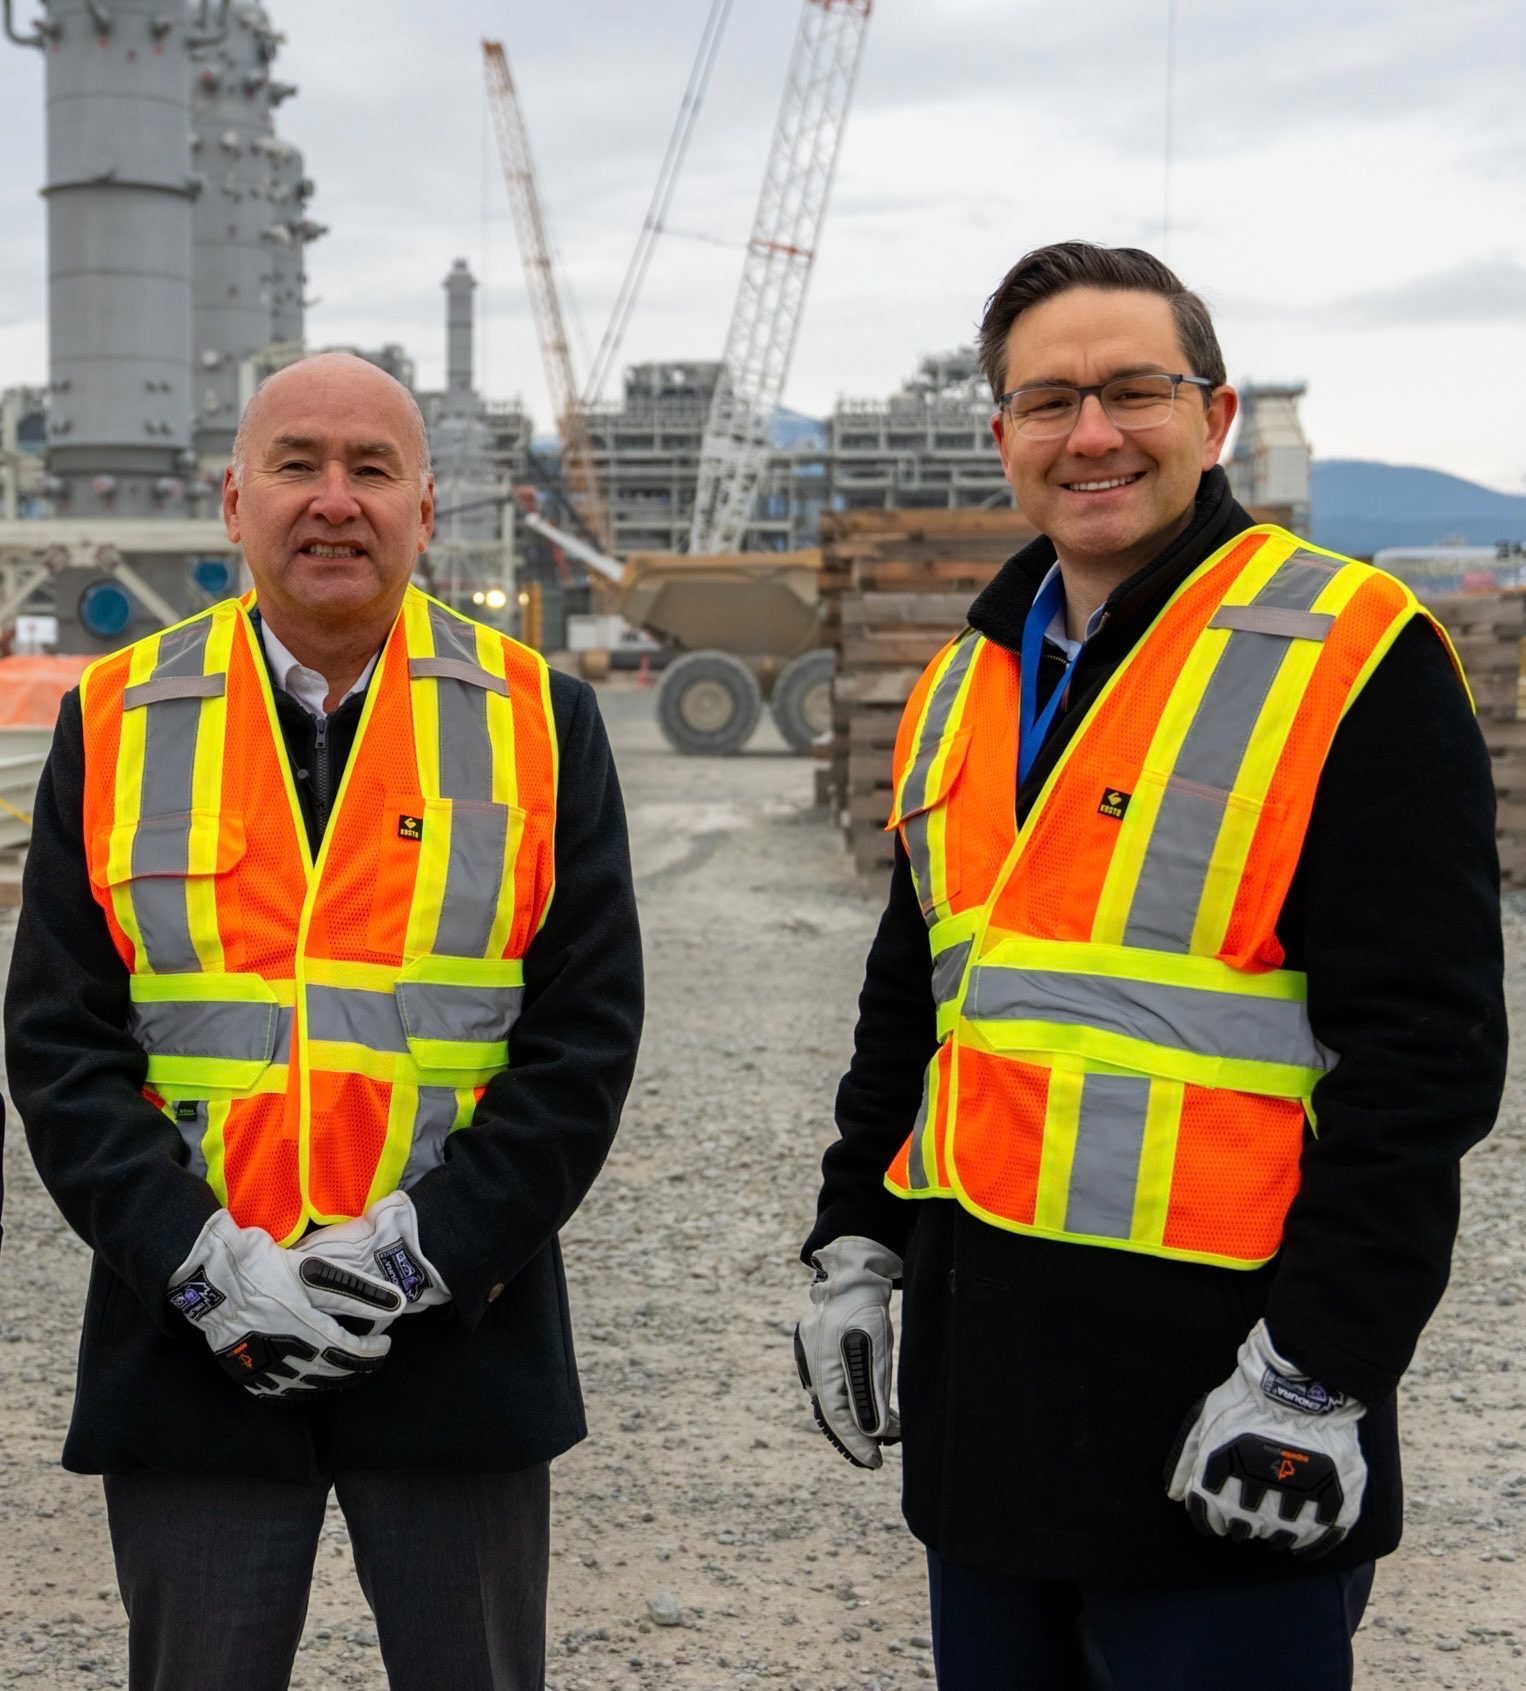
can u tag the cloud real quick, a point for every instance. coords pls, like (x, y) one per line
(1483, 290)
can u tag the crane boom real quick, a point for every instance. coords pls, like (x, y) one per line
(765, 321)
(541, 283)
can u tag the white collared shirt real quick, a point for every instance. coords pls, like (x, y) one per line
(305, 685)
(1056, 633)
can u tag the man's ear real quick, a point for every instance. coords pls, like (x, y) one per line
(230, 504)
(1223, 403)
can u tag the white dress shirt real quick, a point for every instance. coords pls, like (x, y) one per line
(305, 685)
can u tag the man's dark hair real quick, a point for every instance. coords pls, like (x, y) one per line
(1047, 271)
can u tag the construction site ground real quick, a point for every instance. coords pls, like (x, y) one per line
(705, 1535)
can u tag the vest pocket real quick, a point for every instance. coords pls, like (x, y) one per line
(457, 1013)
(929, 824)
(167, 878)
(206, 1033)
(449, 862)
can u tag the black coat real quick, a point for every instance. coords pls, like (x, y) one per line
(1042, 1382)
(485, 1383)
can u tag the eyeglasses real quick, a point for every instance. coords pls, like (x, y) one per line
(1131, 403)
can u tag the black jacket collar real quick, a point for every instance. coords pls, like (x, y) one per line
(1003, 605)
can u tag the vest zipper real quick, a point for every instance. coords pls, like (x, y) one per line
(321, 773)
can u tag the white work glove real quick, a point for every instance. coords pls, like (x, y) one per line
(383, 1243)
(1271, 1454)
(843, 1348)
(268, 1315)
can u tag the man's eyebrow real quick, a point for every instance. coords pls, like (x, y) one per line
(306, 443)
(1070, 382)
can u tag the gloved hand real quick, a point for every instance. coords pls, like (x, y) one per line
(383, 1243)
(1271, 1454)
(843, 1348)
(268, 1314)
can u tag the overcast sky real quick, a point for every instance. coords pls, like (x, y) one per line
(1348, 187)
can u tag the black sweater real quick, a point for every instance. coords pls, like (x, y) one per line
(486, 1382)
(1042, 1382)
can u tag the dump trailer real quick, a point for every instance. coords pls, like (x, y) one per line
(746, 629)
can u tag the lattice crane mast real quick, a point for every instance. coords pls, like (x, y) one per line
(578, 474)
(765, 321)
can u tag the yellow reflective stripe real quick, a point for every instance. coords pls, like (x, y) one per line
(1157, 1159)
(274, 1078)
(1126, 962)
(500, 735)
(206, 797)
(333, 1056)
(466, 971)
(1263, 753)
(227, 1074)
(937, 817)
(1040, 1041)
(459, 1054)
(254, 651)
(214, 1146)
(1186, 696)
(1062, 1120)
(402, 1109)
(543, 669)
(423, 692)
(356, 977)
(241, 988)
(127, 804)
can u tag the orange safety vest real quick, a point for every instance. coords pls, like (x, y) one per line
(317, 1029)
(1123, 1060)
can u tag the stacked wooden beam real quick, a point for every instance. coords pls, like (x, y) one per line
(895, 585)
(1487, 630)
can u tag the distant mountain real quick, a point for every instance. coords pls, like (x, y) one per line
(1360, 507)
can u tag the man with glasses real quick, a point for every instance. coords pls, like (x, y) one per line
(1185, 1003)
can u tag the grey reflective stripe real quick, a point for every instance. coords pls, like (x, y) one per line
(1170, 887)
(161, 843)
(232, 1029)
(430, 1010)
(1104, 1169)
(355, 1017)
(457, 669)
(479, 828)
(434, 1117)
(916, 1168)
(1268, 619)
(913, 790)
(474, 873)
(1205, 1023)
(948, 970)
(174, 687)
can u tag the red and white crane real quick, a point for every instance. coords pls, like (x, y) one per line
(765, 321)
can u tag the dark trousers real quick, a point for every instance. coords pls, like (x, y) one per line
(215, 1570)
(995, 1633)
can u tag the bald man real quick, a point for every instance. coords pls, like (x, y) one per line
(325, 1001)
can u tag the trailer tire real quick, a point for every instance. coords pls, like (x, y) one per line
(802, 699)
(708, 704)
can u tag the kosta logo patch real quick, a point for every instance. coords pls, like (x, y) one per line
(1114, 803)
(410, 827)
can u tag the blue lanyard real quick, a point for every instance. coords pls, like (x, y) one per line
(1033, 724)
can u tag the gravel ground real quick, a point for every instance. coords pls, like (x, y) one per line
(705, 1535)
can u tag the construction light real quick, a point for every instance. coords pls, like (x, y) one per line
(524, 595)
(479, 597)
(496, 598)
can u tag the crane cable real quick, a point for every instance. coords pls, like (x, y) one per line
(662, 195)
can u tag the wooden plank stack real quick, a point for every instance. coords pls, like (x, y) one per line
(1487, 630)
(895, 585)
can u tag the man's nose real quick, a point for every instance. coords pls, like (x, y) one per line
(1094, 432)
(333, 498)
